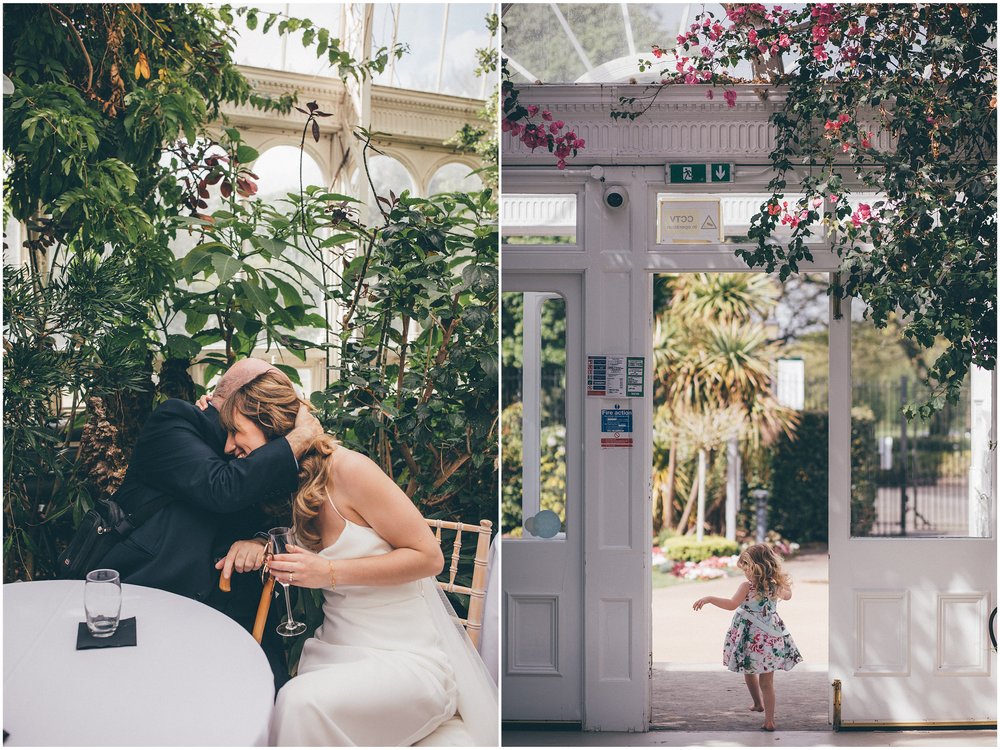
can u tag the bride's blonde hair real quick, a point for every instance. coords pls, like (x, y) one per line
(270, 402)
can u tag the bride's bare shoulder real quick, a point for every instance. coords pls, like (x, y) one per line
(346, 464)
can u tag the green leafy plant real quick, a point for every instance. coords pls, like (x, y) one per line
(906, 94)
(101, 93)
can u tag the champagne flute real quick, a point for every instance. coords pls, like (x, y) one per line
(280, 537)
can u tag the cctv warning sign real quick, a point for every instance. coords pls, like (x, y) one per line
(683, 221)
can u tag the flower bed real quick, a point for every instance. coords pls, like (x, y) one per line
(708, 569)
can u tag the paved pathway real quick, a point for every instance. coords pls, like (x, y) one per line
(692, 691)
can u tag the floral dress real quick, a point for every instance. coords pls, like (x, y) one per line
(758, 640)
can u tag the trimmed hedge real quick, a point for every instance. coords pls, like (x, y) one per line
(688, 548)
(799, 502)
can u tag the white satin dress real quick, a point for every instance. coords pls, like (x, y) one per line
(374, 673)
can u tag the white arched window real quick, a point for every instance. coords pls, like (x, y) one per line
(454, 177)
(278, 172)
(389, 174)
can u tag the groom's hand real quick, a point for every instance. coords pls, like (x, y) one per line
(244, 555)
(306, 431)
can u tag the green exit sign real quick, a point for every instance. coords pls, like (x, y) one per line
(693, 173)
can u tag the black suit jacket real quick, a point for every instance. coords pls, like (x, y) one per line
(214, 499)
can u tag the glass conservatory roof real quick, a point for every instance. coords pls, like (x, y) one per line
(442, 39)
(596, 42)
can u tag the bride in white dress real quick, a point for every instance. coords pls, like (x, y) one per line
(389, 665)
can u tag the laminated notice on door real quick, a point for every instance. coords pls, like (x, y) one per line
(616, 376)
(616, 428)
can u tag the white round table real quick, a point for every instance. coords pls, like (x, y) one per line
(195, 677)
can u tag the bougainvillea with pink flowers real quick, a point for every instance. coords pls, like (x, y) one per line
(534, 126)
(898, 100)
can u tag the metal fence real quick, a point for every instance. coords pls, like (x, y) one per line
(921, 467)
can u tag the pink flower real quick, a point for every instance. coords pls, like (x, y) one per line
(844, 118)
(691, 78)
(854, 30)
(553, 128)
(865, 210)
(866, 140)
(845, 147)
(681, 63)
(774, 209)
(710, 94)
(784, 40)
(819, 53)
(830, 125)
(730, 97)
(658, 53)
(706, 75)
(752, 37)
(546, 115)
(532, 110)
(817, 202)
(681, 38)
(707, 52)
(834, 198)
(820, 34)
(561, 164)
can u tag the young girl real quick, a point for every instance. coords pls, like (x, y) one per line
(758, 643)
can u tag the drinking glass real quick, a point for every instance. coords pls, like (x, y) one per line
(102, 600)
(280, 537)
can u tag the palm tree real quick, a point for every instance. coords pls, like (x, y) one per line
(713, 377)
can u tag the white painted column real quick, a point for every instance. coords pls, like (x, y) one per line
(983, 439)
(617, 481)
(732, 486)
(531, 400)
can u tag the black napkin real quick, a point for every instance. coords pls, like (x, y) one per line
(124, 636)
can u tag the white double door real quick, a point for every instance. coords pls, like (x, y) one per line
(543, 636)
(909, 617)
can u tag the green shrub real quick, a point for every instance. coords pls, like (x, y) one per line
(689, 548)
(798, 508)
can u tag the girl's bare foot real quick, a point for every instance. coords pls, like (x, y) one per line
(757, 708)
(768, 727)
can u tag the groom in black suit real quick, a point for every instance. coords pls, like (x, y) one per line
(214, 504)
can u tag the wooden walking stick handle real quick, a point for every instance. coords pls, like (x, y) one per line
(265, 604)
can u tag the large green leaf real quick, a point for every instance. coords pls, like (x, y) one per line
(225, 267)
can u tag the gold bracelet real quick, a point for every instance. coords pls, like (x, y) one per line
(333, 576)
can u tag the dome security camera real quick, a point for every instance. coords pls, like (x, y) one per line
(615, 196)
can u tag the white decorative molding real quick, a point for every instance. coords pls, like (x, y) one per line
(882, 633)
(615, 657)
(962, 641)
(330, 95)
(532, 634)
(681, 124)
(421, 117)
(538, 214)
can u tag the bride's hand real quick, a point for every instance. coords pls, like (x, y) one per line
(302, 568)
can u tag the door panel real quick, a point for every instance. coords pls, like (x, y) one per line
(909, 638)
(542, 576)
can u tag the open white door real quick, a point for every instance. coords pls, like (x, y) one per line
(909, 616)
(542, 569)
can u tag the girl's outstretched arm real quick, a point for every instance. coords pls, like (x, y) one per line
(718, 601)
